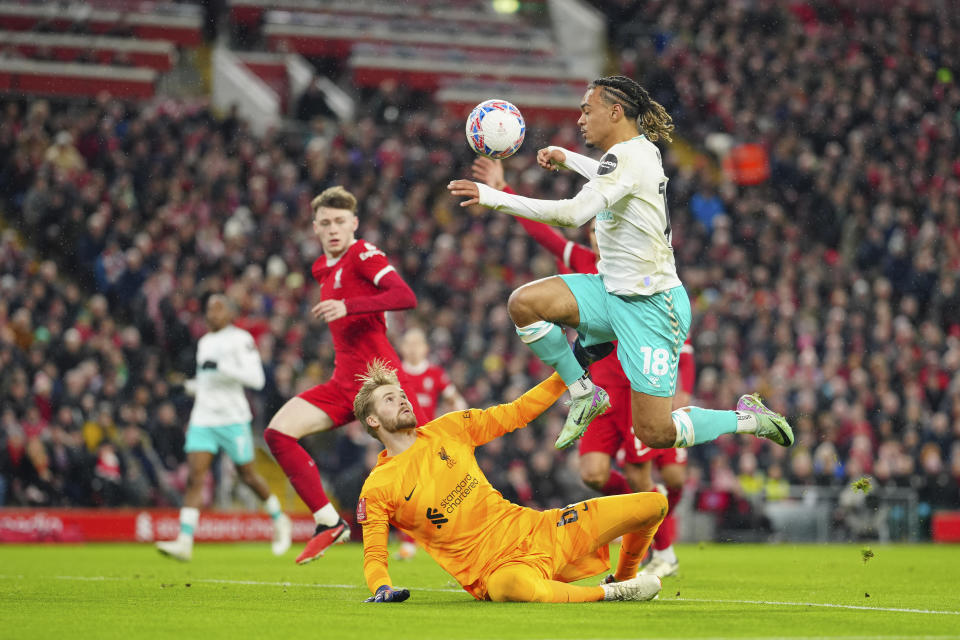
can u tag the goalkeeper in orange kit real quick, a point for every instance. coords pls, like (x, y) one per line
(427, 483)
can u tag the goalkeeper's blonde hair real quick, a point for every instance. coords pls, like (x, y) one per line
(378, 374)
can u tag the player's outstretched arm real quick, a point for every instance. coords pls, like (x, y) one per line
(573, 212)
(551, 158)
(376, 528)
(485, 425)
(489, 172)
(572, 255)
(558, 157)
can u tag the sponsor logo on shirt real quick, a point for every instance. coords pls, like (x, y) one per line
(436, 517)
(370, 252)
(607, 164)
(456, 497)
(362, 510)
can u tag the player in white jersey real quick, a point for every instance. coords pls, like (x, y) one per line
(637, 298)
(227, 361)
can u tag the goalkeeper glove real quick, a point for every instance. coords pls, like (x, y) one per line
(386, 593)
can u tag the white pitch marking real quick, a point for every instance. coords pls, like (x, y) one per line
(823, 604)
(223, 581)
(805, 638)
(356, 586)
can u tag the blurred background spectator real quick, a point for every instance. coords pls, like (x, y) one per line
(823, 272)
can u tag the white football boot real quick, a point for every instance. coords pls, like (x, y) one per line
(660, 567)
(181, 548)
(282, 535)
(641, 588)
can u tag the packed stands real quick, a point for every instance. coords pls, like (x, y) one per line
(830, 286)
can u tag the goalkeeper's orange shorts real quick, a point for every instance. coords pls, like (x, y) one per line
(563, 545)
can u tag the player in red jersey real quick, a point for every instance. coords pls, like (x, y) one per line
(431, 386)
(612, 433)
(357, 285)
(429, 382)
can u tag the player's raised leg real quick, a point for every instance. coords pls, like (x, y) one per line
(296, 419)
(538, 309)
(198, 464)
(659, 427)
(651, 331)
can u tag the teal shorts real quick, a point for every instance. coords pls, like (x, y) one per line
(235, 439)
(650, 330)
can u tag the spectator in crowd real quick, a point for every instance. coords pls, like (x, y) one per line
(830, 286)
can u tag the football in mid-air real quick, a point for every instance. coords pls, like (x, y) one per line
(495, 129)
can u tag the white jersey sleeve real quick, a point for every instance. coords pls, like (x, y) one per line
(587, 167)
(227, 361)
(562, 213)
(243, 362)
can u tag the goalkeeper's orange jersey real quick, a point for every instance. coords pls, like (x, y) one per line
(436, 492)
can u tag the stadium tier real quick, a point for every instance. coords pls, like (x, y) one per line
(59, 79)
(158, 55)
(182, 26)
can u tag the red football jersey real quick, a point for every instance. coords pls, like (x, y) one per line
(428, 383)
(360, 337)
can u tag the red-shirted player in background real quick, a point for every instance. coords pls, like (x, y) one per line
(428, 382)
(431, 386)
(612, 432)
(357, 285)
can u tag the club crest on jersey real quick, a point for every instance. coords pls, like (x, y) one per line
(336, 278)
(607, 164)
(362, 510)
(446, 458)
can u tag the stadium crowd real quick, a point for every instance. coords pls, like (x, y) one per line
(831, 288)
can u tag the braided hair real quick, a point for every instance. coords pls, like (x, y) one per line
(637, 104)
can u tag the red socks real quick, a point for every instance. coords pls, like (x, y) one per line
(616, 484)
(299, 467)
(667, 532)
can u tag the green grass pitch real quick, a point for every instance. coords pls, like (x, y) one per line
(241, 591)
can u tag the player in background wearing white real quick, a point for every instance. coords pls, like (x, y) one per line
(227, 361)
(432, 387)
(637, 297)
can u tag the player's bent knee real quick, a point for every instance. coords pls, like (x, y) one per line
(657, 434)
(651, 508)
(595, 478)
(594, 469)
(298, 418)
(520, 307)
